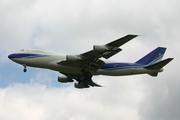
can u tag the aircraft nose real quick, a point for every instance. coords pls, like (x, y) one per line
(11, 56)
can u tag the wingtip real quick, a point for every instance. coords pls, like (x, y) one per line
(133, 35)
(170, 59)
(97, 85)
(100, 86)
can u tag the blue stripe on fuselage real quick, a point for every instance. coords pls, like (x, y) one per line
(27, 56)
(115, 66)
(107, 66)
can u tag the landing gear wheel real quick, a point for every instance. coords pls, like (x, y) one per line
(25, 70)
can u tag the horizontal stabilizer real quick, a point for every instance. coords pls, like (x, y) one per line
(159, 65)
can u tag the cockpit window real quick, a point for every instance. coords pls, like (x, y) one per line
(22, 50)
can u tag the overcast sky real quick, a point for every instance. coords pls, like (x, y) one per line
(73, 27)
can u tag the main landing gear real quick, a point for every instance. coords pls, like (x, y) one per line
(24, 70)
(86, 74)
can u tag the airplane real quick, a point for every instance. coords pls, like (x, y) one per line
(81, 68)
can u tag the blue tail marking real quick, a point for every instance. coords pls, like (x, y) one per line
(152, 57)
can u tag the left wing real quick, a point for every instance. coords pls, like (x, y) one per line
(90, 61)
(107, 50)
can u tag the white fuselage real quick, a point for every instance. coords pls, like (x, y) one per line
(47, 60)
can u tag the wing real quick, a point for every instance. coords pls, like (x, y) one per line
(107, 50)
(90, 61)
(84, 80)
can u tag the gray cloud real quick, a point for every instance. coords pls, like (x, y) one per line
(40, 102)
(72, 27)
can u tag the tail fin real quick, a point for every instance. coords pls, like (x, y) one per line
(153, 57)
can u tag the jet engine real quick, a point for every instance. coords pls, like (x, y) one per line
(80, 85)
(64, 79)
(100, 48)
(72, 58)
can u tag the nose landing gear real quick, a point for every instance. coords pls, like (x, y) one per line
(24, 70)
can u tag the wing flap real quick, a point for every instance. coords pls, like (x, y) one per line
(110, 53)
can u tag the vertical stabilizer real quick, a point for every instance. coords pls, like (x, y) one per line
(153, 57)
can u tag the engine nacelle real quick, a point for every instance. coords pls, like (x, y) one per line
(64, 79)
(80, 85)
(100, 48)
(72, 58)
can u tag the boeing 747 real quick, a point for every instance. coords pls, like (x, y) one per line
(82, 67)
